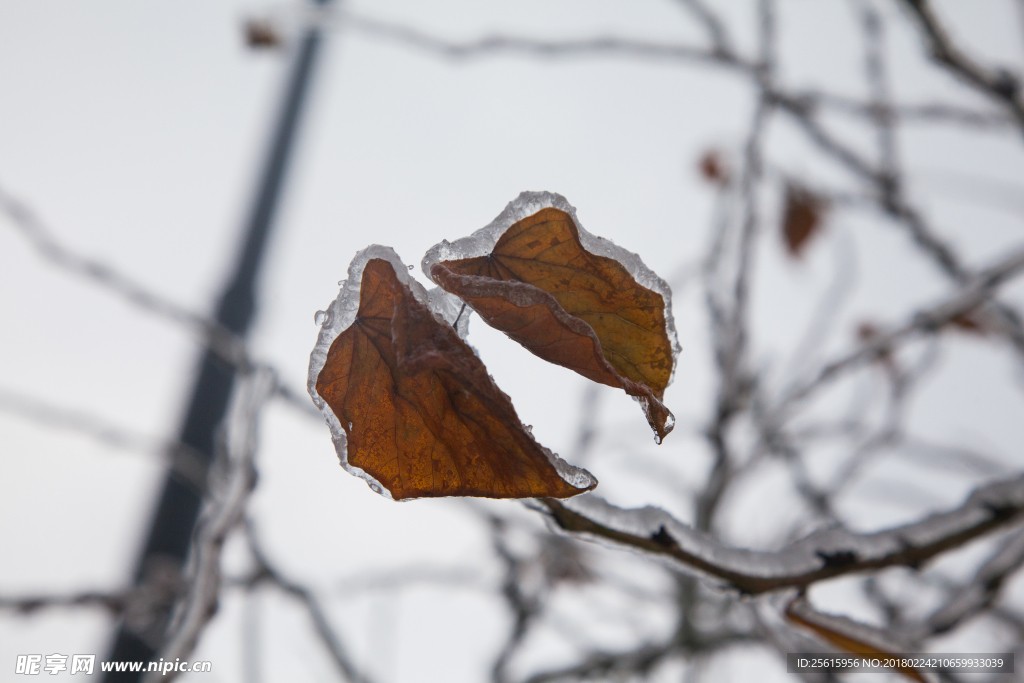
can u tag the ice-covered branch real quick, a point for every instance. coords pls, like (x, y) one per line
(525, 607)
(713, 25)
(266, 571)
(226, 343)
(1003, 318)
(797, 108)
(226, 510)
(876, 70)
(638, 662)
(936, 112)
(184, 460)
(503, 44)
(979, 291)
(642, 661)
(112, 602)
(849, 635)
(983, 590)
(1000, 84)
(728, 312)
(822, 555)
(453, 577)
(727, 291)
(229, 347)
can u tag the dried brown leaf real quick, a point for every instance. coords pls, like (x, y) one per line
(844, 634)
(802, 218)
(579, 310)
(421, 414)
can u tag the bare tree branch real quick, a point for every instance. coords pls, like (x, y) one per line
(329, 638)
(983, 591)
(226, 343)
(525, 608)
(999, 84)
(227, 508)
(637, 662)
(184, 460)
(228, 346)
(925, 321)
(876, 72)
(937, 112)
(115, 603)
(716, 30)
(502, 44)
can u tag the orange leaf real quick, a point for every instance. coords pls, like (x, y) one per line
(840, 632)
(420, 413)
(582, 311)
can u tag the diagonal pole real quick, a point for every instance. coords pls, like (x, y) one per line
(140, 637)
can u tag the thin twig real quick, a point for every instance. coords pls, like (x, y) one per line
(983, 590)
(225, 344)
(925, 321)
(329, 638)
(226, 511)
(503, 44)
(112, 602)
(999, 84)
(185, 461)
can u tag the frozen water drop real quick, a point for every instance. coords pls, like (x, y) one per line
(374, 488)
(410, 267)
(319, 317)
(657, 439)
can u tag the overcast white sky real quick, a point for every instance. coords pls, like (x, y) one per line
(135, 131)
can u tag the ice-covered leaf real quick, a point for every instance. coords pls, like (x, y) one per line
(585, 311)
(413, 410)
(535, 319)
(850, 636)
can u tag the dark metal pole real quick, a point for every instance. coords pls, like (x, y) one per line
(140, 637)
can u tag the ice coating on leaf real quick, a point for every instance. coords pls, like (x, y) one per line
(429, 351)
(450, 308)
(340, 316)
(482, 242)
(535, 319)
(572, 475)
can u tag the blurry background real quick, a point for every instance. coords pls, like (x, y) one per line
(135, 133)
